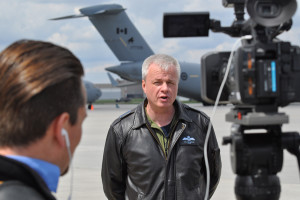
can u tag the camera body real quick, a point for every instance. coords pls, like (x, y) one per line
(260, 74)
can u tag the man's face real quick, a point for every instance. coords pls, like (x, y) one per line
(160, 86)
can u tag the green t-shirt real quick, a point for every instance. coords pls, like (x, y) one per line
(163, 139)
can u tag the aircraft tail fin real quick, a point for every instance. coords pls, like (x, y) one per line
(68, 17)
(112, 80)
(119, 33)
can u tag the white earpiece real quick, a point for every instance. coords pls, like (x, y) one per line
(65, 134)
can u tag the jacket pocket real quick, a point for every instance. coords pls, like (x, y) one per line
(184, 193)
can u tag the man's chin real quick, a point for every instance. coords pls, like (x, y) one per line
(165, 105)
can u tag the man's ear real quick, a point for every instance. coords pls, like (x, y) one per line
(144, 86)
(61, 122)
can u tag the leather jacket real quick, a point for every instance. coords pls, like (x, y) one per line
(18, 181)
(135, 166)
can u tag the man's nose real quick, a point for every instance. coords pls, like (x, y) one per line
(164, 87)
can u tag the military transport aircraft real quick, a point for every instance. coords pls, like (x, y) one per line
(131, 49)
(92, 93)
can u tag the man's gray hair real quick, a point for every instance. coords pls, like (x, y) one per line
(162, 60)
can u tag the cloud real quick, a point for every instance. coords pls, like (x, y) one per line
(147, 27)
(196, 5)
(26, 19)
(59, 38)
(293, 36)
(97, 72)
(69, 36)
(99, 67)
(169, 46)
(225, 46)
(195, 55)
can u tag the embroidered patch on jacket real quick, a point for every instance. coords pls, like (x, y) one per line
(188, 140)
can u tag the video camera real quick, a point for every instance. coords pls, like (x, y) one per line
(264, 71)
(264, 74)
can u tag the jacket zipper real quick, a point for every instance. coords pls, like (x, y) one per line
(181, 130)
(150, 129)
(173, 131)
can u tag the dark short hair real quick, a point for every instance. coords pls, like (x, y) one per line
(38, 82)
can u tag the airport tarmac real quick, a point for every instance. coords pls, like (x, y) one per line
(87, 161)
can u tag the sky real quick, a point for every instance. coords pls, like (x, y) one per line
(29, 19)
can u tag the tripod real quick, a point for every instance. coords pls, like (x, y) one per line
(257, 144)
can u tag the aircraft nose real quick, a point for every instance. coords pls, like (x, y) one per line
(113, 69)
(99, 93)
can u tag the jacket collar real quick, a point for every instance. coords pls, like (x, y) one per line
(140, 118)
(11, 169)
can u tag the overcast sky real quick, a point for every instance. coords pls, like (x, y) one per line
(20, 19)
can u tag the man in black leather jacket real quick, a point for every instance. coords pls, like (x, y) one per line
(42, 107)
(156, 151)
